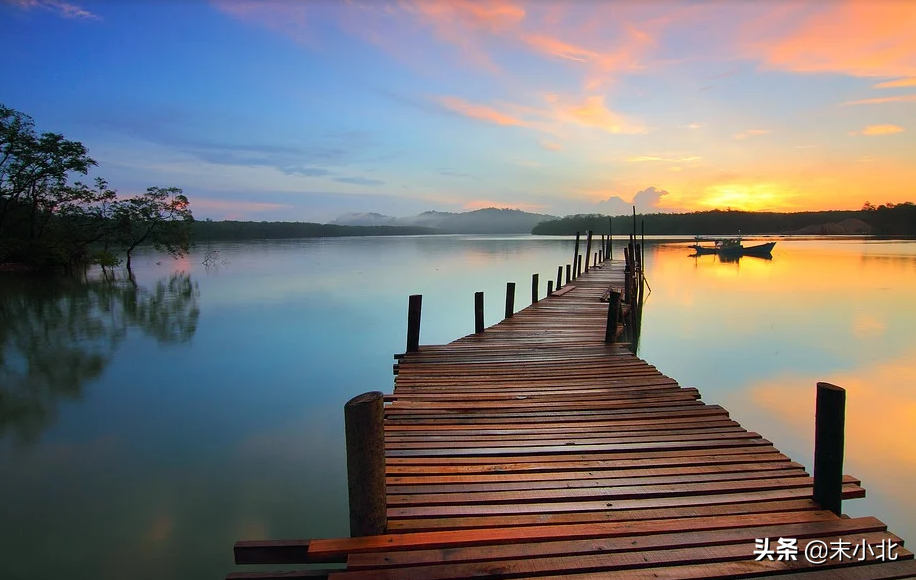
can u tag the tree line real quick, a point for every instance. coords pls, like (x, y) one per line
(888, 219)
(49, 221)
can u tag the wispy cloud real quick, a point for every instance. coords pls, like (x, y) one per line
(485, 203)
(551, 145)
(752, 133)
(648, 158)
(62, 9)
(881, 130)
(880, 100)
(910, 82)
(359, 181)
(592, 112)
(479, 112)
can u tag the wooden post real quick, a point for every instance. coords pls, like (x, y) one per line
(595, 257)
(576, 255)
(549, 287)
(364, 417)
(588, 249)
(610, 237)
(829, 429)
(414, 306)
(638, 255)
(613, 316)
(559, 277)
(634, 225)
(603, 246)
(510, 299)
(579, 267)
(478, 312)
(534, 288)
(568, 273)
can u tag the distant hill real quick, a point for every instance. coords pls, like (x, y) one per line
(482, 221)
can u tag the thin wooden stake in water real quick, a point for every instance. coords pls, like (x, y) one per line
(579, 267)
(414, 306)
(549, 287)
(534, 288)
(576, 254)
(365, 439)
(510, 299)
(588, 249)
(613, 317)
(559, 277)
(610, 238)
(829, 433)
(568, 273)
(478, 312)
(642, 227)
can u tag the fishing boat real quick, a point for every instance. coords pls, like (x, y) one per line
(731, 247)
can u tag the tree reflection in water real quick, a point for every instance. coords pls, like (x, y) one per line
(58, 334)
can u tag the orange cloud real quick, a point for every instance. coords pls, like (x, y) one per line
(479, 112)
(859, 38)
(556, 47)
(645, 158)
(911, 82)
(551, 145)
(880, 100)
(881, 130)
(594, 113)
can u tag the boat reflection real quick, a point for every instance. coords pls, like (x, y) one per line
(733, 258)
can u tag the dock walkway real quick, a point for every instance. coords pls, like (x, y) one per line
(535, 450)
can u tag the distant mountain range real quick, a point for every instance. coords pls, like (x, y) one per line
(482, 221)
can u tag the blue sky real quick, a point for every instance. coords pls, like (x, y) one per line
(289, 110)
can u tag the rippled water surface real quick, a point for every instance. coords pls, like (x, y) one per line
(146, 425)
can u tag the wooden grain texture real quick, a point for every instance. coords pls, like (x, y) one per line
(536, 449)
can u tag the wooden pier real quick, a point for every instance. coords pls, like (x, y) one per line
(542, 447)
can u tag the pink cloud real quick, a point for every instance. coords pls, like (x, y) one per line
(855, 37)
(880, 100)
(479, 112)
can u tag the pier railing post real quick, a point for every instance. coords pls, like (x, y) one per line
(478, 312)
(559, 277)
(613, 317)
(534, 288)
(414, 307)
(549, 287)
(568, 273)
(588, 249)
(829, 429)
(579, 267)
(364, 417)
(510, 299)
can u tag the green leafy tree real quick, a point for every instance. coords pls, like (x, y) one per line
(161, 217)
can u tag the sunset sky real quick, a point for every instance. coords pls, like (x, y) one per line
(284, 110)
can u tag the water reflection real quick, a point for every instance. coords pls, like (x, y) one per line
(57, 335)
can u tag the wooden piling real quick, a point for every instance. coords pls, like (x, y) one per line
(579, 267)
(365, 440)
(510, 299)
(829, 433)
(414, 307)
(549, 287)
(613, 317)
(534, 288)
(559, 277)
(576, 253)
(588, 249)
(568, 273)
(478, 312)
(610, 237)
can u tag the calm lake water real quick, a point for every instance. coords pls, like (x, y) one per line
(143, 430)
